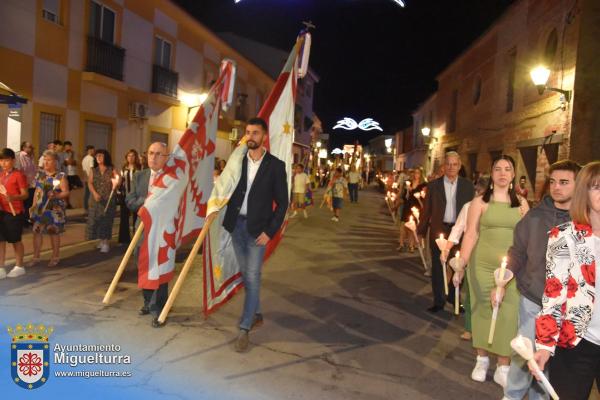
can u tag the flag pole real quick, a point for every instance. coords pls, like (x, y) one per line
(186, 267)
(124, 261)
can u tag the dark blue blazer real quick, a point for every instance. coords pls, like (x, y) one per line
(269, 188)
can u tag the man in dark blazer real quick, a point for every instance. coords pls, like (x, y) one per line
(445, 198)
(255, 213)
(154, 300)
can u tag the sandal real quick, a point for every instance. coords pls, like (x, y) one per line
(53, 262)
(33, 262)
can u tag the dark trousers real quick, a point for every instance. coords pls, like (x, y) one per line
(28, 202)
(353, 189)
(437, 273)
(572, 371)
(155, 300)
(124, 226)
(86, 196)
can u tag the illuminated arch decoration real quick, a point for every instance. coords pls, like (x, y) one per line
(349, 124)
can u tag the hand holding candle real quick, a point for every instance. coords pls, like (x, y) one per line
(502, 277)
(441, 243)
(458, 265)
(5, 194)
(411, 225)
(115, 180)
(55, 185)
(524, 348)
(416, 213)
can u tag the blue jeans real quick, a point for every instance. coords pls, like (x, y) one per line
(520, 380)
(353, 189)
(250, 257)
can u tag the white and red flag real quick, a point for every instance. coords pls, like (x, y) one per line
(222, 277)
(175, 209)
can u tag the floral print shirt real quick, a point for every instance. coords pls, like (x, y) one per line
(569, 294)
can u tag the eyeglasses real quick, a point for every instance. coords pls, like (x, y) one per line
(156, 154)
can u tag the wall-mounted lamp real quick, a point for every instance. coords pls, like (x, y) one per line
(539, 76)
(191, 101)
(425, 131)
(319, 144)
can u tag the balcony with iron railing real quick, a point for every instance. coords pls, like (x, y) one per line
(105, 58)
(164, 81)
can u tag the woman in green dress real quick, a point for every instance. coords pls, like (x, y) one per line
(489, 234)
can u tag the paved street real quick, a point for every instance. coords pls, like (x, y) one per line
(344, 319)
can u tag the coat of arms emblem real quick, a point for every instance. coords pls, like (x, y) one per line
(30, 355)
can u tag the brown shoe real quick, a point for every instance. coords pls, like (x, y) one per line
(258, 321)
(466, 335)
(241, 343)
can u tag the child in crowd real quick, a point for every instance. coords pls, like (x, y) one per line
(13, 190)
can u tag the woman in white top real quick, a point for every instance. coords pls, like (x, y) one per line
(568, 326)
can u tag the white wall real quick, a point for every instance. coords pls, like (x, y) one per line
(76, 39)
(50, 83)
(137, 40)
(17, 29)
(98, 100)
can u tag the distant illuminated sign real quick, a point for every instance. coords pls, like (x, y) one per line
(367, 124)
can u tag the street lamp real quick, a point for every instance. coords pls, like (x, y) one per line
(539, 76)
(319, 144)
(425, 131)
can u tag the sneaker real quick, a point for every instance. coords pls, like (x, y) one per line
(16, 272)
(2, 273)
(305, 213)
(335, 219)
(241, 343)
(501, 375)
(293, 214)
(104, 248)
(427, 273)
(480, 371)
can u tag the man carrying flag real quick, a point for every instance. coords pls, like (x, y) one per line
(254, 214)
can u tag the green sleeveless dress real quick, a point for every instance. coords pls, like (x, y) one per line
(496, 228)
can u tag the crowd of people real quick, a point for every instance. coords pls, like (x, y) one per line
(551, 251)
(36, 195)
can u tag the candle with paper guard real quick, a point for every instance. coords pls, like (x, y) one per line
(457, 287)
(503, 267)
(501, 274)
(442, 246)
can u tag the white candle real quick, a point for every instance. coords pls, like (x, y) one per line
(503, 267)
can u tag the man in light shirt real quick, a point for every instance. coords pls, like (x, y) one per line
(445, 198)
(86, 165)
(253, 221)
(353, 183)
(300, 187)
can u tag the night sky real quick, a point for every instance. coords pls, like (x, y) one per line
(375, 58)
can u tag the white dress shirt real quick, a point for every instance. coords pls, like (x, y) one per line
(461, 224)
(450, 190)
(252, 170)
(87, 164)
